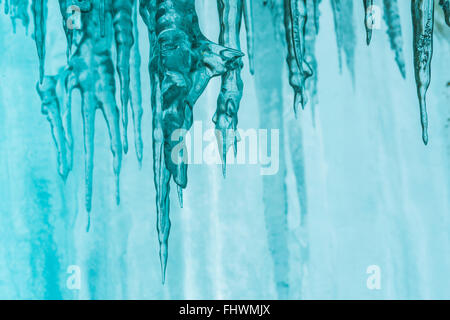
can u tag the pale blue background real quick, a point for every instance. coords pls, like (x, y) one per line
(375, 194)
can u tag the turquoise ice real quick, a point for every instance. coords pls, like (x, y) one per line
(356, 190)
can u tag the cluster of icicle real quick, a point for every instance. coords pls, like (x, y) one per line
(182, 61)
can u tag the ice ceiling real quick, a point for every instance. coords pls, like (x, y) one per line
(182, 61)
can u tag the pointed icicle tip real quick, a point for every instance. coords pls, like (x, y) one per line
(163, 261)
(425, 137)
(368, 37)
(88, 226)
(224, 169)
(180, 196)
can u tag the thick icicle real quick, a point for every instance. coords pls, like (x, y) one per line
(182, 62)
(135, 92)
(345, 34)
(123, 29)
(51, 108)
(299, 70)
(445, 4)
(392, 18)
(91, 70)
(39, 9)
(226, 116)
(368, 19)
(423, 24)
(19, 11)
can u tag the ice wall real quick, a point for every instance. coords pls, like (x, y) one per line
(374, 194)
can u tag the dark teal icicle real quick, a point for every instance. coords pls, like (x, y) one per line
(39, 9)
(423, 24)
(392, 19)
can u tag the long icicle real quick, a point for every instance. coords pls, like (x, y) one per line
(248, 18)
(39, 9)
(182, 62)
(226, 117)
(312, 30)
(135, 81)
(91, 70)
(123, 30)
(423, 24)
(299, 70)
(51, 109)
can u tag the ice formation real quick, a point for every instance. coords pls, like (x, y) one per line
(392, 18)
(299, 70)
(231, 13)
(18, 10)
(445, 4)
(423, 24)
(345, 33)
(182, 61)
(368, 17)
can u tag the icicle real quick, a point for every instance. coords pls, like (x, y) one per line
(423, 23)
(19, 11)
(39, 9)
(6, 7)
(297, 11)
(181, 64)
(135, 81)
(269, 93)
(316, 14)
(345, 34)
(299, 70)
(123, 28)
(392, 18)
(92, 72)
(180, 196)
(445, 4)
(248, 17)
(226, 118)
(51, 108)
(310, 53)
(368, 19)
